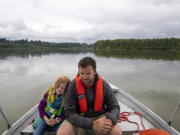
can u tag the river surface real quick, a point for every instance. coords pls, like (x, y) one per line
(156, 83)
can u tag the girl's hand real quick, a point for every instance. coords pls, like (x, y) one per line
(53, 122)
(47, 120)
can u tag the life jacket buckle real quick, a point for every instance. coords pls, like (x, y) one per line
(82, 114)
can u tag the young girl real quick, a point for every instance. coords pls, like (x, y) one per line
(51, 108)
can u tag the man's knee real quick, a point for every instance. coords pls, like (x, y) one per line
(65, 130)
(116, 130)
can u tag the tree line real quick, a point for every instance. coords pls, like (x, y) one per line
(121, 44)
(24, 43)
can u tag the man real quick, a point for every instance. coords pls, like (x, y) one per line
(90, 105)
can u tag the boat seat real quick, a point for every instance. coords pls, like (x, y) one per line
(28, 130)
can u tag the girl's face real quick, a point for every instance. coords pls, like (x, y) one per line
(61, 88)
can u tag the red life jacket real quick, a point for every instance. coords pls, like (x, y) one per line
(82, 96)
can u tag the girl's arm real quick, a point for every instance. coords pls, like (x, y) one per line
(42, 106)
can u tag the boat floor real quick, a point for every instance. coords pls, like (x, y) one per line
(127, 128)
(29, 131)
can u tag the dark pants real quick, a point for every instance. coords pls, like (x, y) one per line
(42, 127)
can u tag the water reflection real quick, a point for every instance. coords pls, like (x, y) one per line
(127, 54)
(31, 53)
(141, 54)
(23, 80)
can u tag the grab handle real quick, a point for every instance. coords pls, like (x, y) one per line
(5, 119)
(174, 113)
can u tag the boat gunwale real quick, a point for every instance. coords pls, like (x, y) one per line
(21, 120)
(152, 117)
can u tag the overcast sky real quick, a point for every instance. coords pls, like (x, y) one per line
(88, 20)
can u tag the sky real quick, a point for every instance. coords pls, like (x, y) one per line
(86, 21)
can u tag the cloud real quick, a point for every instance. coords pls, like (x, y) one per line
(88, 21)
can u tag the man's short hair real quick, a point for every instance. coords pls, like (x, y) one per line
(87, 61)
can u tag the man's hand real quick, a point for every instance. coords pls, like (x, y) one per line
(102, 126)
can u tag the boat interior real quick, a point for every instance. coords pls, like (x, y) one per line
(130, 123)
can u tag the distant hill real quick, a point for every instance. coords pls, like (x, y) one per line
(120, 44)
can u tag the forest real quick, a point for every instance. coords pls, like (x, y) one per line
(135, 44)
(39, 45)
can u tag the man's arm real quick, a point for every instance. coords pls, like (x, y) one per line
(72, 109)
(111, 102)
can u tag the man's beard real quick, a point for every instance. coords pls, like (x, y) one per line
(88, 82)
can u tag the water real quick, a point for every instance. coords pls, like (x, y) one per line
(23, 79)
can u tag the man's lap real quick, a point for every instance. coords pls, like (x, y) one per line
(77, 130)
(81, 131)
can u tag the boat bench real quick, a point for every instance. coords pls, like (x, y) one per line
(28, 130)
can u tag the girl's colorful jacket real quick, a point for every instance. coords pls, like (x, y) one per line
(51, 102)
